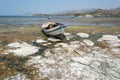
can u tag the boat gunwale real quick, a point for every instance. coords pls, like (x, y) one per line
(53, 29)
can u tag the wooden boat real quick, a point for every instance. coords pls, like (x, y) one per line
(50, 17)
(53, 29)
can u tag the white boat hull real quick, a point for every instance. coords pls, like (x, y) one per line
(54, 31)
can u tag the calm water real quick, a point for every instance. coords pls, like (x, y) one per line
(39, 20)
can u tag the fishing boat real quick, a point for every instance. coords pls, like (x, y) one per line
(50, 17)
(53, 29)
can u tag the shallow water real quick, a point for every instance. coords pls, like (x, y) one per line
(38, 20)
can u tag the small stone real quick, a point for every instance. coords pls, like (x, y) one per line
(112, 40)
(67, 34)
(80, 52)
(88, 42)
(118, 36)
(83, 35)
(53, 39)
(49, 43)
(116, 50)
(108, 38)
(40, 41)
(62, 44)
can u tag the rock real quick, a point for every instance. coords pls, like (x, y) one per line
(21, 49)
(40, 41)
(49, 43)
(115, 50)
(83, 35)
(88, 42)
(81, 53)
(62, 44)
(53, 39)
(46, 44)
(69, 37)
(19, 76)
(74, 42)
(109, 38)
(112, 40)
(118, 36)
(67, 34)
(48, 53)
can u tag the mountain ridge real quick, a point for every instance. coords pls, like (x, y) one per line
(96, 12)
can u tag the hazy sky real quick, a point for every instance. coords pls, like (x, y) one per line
(20, 7)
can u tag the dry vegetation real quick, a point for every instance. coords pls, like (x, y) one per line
(20, 34)
(5, 71)
(93, 29)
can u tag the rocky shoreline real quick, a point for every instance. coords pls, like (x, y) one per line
(78, 57)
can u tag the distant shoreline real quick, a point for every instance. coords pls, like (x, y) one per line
(67, 20)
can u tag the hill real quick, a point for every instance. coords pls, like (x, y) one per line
(115, 12)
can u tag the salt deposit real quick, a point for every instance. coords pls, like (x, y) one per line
(113, 43)
(63, 66)
(61, 62)
(20, 49)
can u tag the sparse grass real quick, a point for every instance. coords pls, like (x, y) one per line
(93, 29)
(5, 71)
(102, 44)
(21, 34)
(29, 33)
(10, 65)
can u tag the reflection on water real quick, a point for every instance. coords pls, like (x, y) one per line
(38, 20)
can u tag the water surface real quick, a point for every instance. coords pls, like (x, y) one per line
(39, 20)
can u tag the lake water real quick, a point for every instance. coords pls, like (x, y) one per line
(39, 20)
